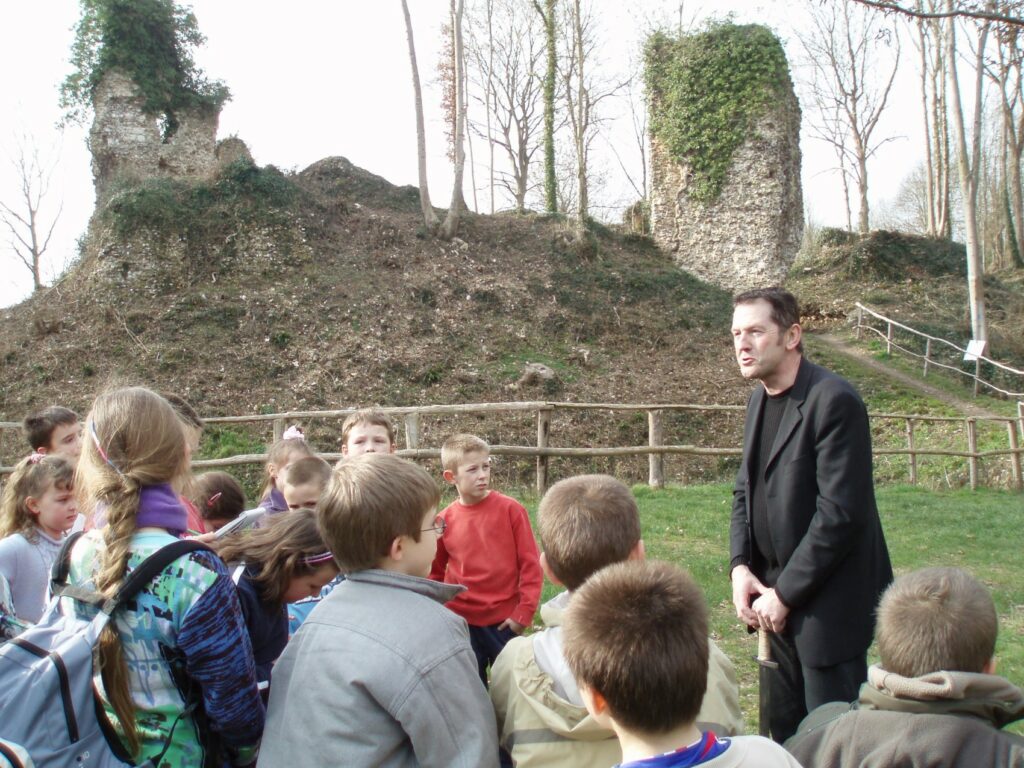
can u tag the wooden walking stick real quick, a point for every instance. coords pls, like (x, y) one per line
(764, 660)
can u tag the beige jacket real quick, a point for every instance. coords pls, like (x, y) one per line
(541, 718)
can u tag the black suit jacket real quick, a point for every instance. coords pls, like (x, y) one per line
(821, 514)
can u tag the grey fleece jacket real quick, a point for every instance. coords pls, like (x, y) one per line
(381, 674)
(940, 720)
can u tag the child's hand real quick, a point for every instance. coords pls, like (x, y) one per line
(515, 626)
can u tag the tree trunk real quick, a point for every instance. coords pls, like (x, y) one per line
(429, 217)
(968, 180)
(450, 227)
(547, 13)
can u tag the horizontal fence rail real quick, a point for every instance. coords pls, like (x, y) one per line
(933, 347)
(656, 449)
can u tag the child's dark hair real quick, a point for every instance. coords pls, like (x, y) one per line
(289, 546)
(39, 426)
(308, 469)
(218, 496)
(585, 523)
(32, 477)
(184, 410)
(637, 633)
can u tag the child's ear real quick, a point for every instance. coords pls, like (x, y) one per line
(637, 552)
(33, 505)
(448, 476)
(397, 548)
(42, 450)
(546, 567)
(990, 667)
(394, 448)
(344, 448)
(594, 702)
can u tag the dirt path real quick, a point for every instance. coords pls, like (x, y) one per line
(915, 382)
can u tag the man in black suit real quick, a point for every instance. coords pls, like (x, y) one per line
(808, 557)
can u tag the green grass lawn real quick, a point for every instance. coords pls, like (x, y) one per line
(981, 531)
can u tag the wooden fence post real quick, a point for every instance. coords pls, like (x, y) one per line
(860, 320)
(278, 429)
(1018, 479)
(543, 433)
(656, 461)
(972, 448)
(977, 374)
(888, 338)
(412, 430)
(910, 448)
(927, 354)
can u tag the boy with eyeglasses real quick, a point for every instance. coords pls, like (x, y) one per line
(381, 673)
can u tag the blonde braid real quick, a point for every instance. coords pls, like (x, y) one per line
(121, 515)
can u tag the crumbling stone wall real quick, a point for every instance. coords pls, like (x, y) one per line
(128, 144)
(749, 235)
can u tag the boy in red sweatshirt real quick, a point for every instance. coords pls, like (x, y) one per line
(488, 546)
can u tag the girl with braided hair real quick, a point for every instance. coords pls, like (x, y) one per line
(183, 638)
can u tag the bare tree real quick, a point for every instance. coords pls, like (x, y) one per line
(547, 15)
(968, 164)
(583, 90)
(510, 67)
(29, 232)
(429, 217)
(450, 226)
(929, 41)
(848, 87)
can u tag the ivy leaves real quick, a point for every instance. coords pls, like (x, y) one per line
(706, 90)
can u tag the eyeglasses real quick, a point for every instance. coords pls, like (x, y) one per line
(439, 526)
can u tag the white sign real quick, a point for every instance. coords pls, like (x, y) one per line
(975, 349)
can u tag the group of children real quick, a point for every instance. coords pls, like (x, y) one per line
(415, 652)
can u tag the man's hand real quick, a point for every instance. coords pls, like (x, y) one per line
(515, 626)
(770, 611)
(746, 588)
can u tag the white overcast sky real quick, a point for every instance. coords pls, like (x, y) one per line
(315, 78)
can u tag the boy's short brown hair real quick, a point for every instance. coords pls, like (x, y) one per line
(637, 633)
(308, 469)
(372, 416)
(369, 502)
(39, 426)
(933, 619)
(456, 447)
(586, 523)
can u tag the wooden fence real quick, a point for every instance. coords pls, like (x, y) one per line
(656, 449)
(933, 346)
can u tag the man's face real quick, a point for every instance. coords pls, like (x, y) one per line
(367, 438)
(66, 440)
(759, 343)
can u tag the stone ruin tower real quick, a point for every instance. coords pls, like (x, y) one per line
(748, 235)
(128, 144)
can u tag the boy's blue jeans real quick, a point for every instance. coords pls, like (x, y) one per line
(487, 643)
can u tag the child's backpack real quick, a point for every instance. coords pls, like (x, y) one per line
(49, 707)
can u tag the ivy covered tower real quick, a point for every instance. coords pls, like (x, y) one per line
(725, 154)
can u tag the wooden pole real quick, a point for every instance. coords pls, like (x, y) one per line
(888, 339)
(860, 320)
(656, 461)
(910, 449)
(543, 433)
(1018, 480)
(278, 429)
(927, 354)
(972, 449)
(977, 374)
(412, 430)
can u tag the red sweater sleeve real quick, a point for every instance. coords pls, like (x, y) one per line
(440, 564)
(531, 578)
